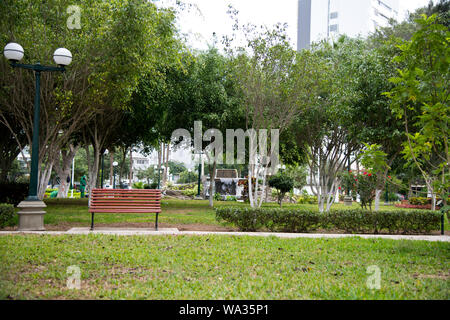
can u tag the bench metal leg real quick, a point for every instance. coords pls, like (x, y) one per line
(156, 223)
(92, 222)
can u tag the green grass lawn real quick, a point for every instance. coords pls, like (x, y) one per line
(220, 267)
(74, 212)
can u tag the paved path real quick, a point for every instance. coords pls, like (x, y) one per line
(173, 231)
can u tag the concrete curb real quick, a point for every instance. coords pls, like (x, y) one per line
(174, 231)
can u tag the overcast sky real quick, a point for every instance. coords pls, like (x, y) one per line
(210, 16)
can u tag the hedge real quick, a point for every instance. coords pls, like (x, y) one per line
(352, 220)
(6, 215)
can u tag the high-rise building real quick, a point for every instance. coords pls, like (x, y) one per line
(327, 19)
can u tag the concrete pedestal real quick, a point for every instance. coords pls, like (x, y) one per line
(31, 215)
(348, 201)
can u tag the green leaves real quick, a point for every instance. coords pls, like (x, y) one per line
(420, 96)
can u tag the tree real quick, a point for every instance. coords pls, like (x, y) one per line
(275, 82)
(374, 160)
(322, 129)
(176, 167)
(117, 43)
(12, 142)
(188, 177)
(283, 183)
(420, 98)
(149, 174)
(63, 168)
(370, 118)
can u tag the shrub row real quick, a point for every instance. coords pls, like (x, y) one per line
(421, 201)
(352, 221)
(413, 206)
(6, 215)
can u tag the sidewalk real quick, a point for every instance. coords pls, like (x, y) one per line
(174, 231)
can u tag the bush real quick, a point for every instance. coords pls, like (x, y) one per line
(231, 198)
(153, 185)
(352, 221)
(419, 201)
(6, 215)
(138, 185)
(293, 220)
(307, 199)
(393, 197)
(246, 219)
(190, 192)
(217, 197)
(282, 183)
(13, 193)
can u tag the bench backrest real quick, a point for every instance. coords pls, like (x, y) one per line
(125, 200)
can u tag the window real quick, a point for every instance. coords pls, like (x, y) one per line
(333, 15)
(381, 3)
(334, 28)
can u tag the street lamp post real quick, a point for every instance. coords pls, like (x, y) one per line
(348, 199)
(159, 174)
(73, 174)
(114, 171)
(199, 178)
(200, 157)
(31, 216)
(103, 166)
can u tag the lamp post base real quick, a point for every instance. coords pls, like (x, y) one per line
(348, 201)
(198, 198)
(31, 215)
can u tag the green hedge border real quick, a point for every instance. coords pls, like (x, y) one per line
(351, 221)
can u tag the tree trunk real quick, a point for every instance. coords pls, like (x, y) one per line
(93, 164)
(111, 167)
(166, 171)
(433, 201)
(131, 167)
(44, 177)
(62, 167)
(377, 199)
(122, 167)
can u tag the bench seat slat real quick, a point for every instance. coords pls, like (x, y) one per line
(124, 192)
(94, 203)
(125, 201)
(115, 210)
(124, 198)
(124, 206)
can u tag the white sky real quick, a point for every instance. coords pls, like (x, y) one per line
(211, 16)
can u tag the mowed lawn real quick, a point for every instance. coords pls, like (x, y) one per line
(220, 267)
(62, 214)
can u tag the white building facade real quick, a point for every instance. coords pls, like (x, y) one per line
(328, 19)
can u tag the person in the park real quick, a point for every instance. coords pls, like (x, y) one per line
(82, 185)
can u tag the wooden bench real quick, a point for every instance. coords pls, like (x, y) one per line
(125, 201)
